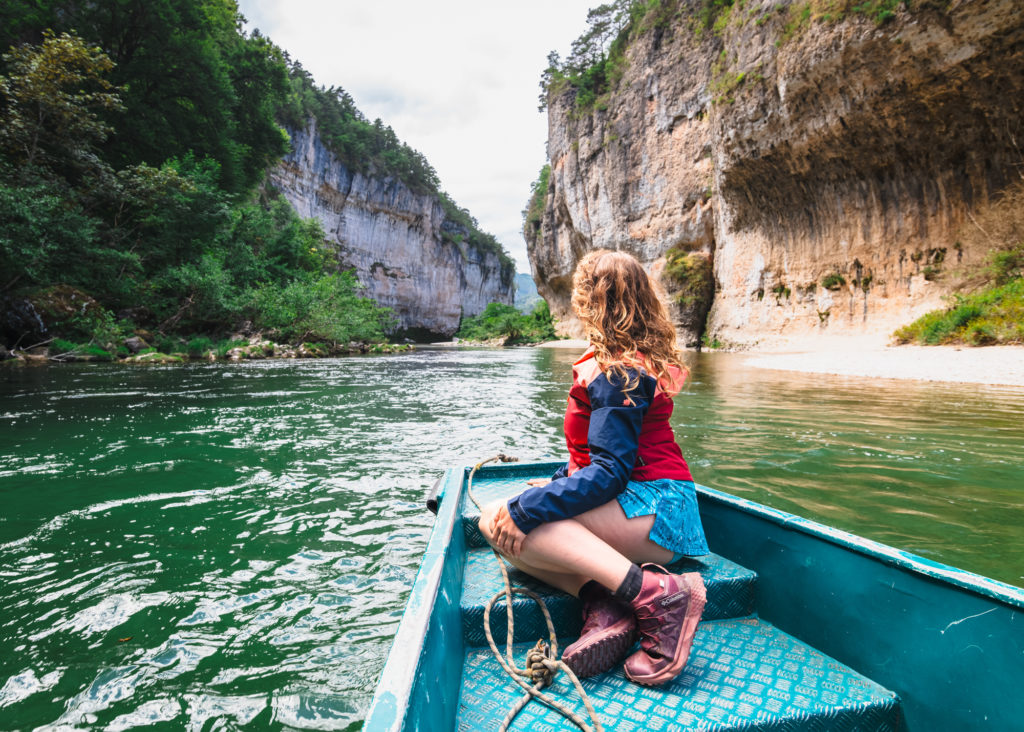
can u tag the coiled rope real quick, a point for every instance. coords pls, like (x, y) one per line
(542, 661)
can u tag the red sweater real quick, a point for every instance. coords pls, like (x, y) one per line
(613, 437)
(658, 455)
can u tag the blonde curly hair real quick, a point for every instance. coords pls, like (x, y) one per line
(624, 316)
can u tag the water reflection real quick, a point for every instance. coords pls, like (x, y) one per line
(933, 468)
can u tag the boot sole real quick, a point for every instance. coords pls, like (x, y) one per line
(698, 597)
(600, 655)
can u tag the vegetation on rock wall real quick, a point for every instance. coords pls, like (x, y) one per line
(693, 278)
(833, 281)
(463, 229)
(692, 273)
(534, 211)
(989, 308)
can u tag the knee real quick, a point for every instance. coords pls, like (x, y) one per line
(487, 514)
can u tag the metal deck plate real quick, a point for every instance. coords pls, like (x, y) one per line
(742, 675)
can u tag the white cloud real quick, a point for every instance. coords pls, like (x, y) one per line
(456, 80)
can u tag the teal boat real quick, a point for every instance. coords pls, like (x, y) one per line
(806, 628)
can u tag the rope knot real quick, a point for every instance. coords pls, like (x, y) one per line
(539, 666)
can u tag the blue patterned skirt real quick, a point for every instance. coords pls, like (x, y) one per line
(673, 503)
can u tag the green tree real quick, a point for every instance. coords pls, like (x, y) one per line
(596, 59)
(37, 221)
(504, 321)
(158, 219)
(191, 81)
(52, 98)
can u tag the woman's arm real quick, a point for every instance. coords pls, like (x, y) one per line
(613, 438)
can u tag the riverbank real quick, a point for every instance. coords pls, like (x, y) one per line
(239, 349)
(871, 357)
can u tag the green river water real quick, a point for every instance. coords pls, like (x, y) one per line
(215, 546)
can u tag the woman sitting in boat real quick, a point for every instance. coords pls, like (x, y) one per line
(625, 503)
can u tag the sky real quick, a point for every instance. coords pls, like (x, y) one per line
(457, 80)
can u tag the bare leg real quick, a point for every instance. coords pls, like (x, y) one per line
(599, 544)
(565, 581)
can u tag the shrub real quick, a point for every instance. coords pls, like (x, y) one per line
(97, 353)
(326, 307)
(991, 316)
(1008, 264)
(833, 281)
(707, 341)
(504, 321)
(166, 344)
(221, 349)
(534, 211)
(980, 335)
(198, 346)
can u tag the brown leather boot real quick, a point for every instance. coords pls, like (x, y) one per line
(667, 610)
(609, 629)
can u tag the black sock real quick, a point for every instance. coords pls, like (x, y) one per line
(630, 586)
(592, 590)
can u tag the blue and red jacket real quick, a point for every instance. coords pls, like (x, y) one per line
(613, 437)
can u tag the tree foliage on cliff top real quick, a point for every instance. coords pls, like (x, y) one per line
(364, 146)
(597, 60)
(373, 148)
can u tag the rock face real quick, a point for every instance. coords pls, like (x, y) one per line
(823, 167)
(402, 247)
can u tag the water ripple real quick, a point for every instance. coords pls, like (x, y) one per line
(231, 545)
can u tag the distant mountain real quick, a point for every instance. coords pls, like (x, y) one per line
(526, 293)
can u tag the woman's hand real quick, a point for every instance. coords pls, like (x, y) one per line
(505, 535)
(538, 482)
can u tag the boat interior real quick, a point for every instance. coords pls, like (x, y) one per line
(796, 633)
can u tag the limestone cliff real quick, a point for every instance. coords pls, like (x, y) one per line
(410, 256)
(819, 165)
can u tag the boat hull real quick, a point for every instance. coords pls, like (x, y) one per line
(948, 642)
